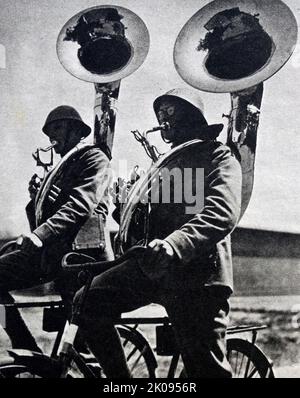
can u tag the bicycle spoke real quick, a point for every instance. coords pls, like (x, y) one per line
(229, 355)
(252, 373)
(236, 362)
(136, 362)
(247, 360)
(247, 368)
(125, 342)
(130, 355)
(241, 365)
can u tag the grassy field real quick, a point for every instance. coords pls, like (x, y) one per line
(280, 341)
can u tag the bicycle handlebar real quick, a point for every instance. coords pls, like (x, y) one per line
(101, 266)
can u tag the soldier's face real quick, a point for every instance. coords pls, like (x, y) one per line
(58, 131)
(170, 112)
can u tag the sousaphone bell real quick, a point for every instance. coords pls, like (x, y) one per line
(228, 46)
(233, 46)
(103, 45)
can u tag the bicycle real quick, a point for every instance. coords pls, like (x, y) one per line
(245, 357)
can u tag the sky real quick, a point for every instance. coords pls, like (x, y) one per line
(33, 82)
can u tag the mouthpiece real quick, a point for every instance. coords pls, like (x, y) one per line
(163, 126)
(39, 161)
(53, 143)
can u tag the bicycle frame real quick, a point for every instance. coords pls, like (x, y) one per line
(64, 353)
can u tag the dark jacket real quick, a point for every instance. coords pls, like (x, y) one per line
(76, 219)
(201, 241)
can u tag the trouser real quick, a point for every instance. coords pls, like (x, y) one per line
(18, 270)
(199, 318)
(22, 270)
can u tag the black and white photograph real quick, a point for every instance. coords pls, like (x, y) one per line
(149, 191)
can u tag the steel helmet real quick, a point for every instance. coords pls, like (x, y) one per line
(65, 112)
(193, 98)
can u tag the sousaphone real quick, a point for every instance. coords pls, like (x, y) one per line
(230, 46)
(233, 46)
(103, 45)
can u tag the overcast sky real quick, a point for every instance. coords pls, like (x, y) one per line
(33, 82)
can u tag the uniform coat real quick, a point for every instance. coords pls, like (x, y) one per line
(195, 287)
(201, 241)
(60, 221)
(76, 219)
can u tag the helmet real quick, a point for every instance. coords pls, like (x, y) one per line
(191, 97)
(65, 112)
(186, 94)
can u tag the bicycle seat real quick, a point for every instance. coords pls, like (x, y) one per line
(98, 267)
(76, 258)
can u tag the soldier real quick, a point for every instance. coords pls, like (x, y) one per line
(187, 266)
(66, 212)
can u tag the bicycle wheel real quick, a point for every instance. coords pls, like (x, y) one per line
(140, 358)
(138, 353)
(27, 366)
(247, 360)
(18, 372)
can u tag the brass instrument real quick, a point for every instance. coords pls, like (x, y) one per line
(233, 46)
(103, 45)
(230, 46)
(41, 163)
(150, 149)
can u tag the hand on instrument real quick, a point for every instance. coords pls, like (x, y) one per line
(34, 185)
(29, 243)
(135, 175)
(119, 192)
